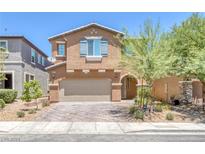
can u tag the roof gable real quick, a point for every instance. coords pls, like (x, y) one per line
(84, 27)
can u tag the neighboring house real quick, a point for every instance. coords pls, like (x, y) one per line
(24, 62)
(87, 68)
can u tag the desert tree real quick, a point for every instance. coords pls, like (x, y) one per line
(186, 52)
(141, 55)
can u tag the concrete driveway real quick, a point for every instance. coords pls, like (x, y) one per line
(88, 112)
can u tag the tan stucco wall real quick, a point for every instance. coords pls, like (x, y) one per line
(197, 89)
(53, 93)
(160, 88)
(75, 61)
(166, 87)
(93, 74)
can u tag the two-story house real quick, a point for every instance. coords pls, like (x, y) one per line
(87, 66)
(24, 62)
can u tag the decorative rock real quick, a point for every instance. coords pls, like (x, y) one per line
(186, 90)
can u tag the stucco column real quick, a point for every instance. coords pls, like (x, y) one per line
(116, 92)
(53, 93)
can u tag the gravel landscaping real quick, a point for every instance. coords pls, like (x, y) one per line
(9, 112)
(189, 113)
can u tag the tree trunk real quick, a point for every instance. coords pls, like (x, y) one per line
(203, 93)
(36, 104)
(142, 94)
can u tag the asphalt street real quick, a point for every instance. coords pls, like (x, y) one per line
(103, 138)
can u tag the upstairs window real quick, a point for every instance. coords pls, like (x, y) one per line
(61, 49)
(93, 47)
(39, 59)
(43, 61)
(33, 55)
(4, 44)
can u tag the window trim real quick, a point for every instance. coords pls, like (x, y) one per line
(59, 55)
(6, 44)
(30, 74)
(93, 38)
(13, 76)
(85, 39)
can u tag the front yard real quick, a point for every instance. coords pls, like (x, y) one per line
(97, 112)
(9, 113)
(180, 113)
(179, 116)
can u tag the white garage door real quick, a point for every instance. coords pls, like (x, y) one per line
(85, 90)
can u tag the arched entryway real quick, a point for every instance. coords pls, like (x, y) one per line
(129, 86)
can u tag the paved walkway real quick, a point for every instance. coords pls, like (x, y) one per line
(88, 112)
(98, 128)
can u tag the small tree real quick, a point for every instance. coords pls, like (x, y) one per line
(141, 56)
(36, 91)
(32, 90)
(26, 96)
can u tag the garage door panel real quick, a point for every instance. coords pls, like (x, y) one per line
(85, 90)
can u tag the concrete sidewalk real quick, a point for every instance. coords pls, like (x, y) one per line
(99, 128)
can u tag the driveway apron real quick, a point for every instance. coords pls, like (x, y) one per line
(88, 112)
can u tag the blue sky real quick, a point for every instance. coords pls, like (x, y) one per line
(37, 27)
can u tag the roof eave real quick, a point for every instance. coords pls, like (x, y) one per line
(55, 65)
(26, 40)
(81, 27)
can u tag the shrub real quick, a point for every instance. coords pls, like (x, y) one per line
(143, 92)
(132, 109)
(165, 106)
(26, 92)
(170, 116)
(20, 114)
(158, 108)
(139, 114)
(2, 103)
(45, 103)
(32, 111)
(8, 95)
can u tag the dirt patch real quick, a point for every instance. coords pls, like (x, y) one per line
(9, 112)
